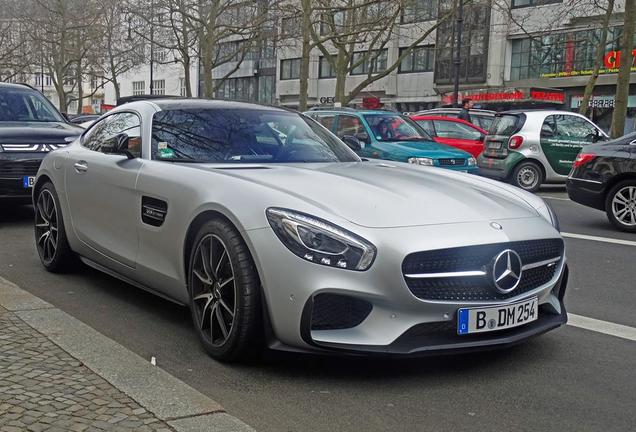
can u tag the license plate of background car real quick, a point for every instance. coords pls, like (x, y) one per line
(494, 145)
(478, 320)
(28, 181)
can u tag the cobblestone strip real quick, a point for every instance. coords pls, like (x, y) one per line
(43, 388)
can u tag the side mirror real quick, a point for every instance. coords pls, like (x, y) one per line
(353, 142)
(122, 146)
(363, 137)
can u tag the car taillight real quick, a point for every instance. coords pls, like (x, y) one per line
(583, 158)
(515, 142)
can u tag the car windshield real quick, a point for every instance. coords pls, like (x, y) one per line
(18, 105)
(393, 127)
(243, 136)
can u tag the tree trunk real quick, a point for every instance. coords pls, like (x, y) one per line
(342, 70)
(626, 61)
(598, 61)
(80, 90)
(306, 51)
(186, 75)
(117, 89)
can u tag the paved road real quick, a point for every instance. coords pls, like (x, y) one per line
(570, 379)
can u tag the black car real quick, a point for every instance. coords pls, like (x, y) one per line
(30, 127)
(604, 177)
(84, 118)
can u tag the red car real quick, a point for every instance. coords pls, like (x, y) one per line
(453, 132)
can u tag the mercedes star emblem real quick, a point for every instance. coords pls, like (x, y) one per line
(506, 271)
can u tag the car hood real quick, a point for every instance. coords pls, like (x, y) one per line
(422, 149)
(37, 132)
(381, 194)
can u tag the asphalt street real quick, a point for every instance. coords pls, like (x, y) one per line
(570, 379)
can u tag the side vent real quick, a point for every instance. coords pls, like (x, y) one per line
(153, 211)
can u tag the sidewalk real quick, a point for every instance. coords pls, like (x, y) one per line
(57, 374)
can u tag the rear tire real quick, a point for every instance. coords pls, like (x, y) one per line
(620, 206)
(225, 296)
(527, 176)
(50, 234)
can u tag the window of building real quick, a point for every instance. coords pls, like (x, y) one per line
(241, 89)
(527, 3)
(419, 10)
(138, 88)
(420, 59)
(291, 26)
(159, 87)
(374, 62)
(159, 55)
(324, 69)
(290, 69)
(43, 80)
(560, 54)
(474, 49)
(332, 24)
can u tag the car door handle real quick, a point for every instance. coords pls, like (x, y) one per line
(80, 166)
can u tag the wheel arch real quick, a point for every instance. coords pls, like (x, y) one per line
(42, 180)
(616, 180)
(532, 160)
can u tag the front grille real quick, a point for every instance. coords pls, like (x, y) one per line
(452, 162)
(17, 168)
(335, 311)
(478, 258)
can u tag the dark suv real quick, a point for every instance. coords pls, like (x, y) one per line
(30, 127)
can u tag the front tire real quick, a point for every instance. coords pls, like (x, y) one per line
(527, 176)
(620, 206)
(224, 293)
(50, 235)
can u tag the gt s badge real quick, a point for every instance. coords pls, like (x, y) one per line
(153, 211)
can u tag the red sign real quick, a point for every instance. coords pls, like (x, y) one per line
(105, 107)
(547, 96)
(371, 103)
(612, 59)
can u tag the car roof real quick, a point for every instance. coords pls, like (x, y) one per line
(538, 111)
(17, 86)
(351, 111)
(193, 103)
(456, 110)
(444, 118)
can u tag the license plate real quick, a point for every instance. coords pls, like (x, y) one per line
(28, 181)
(478, 320)
(494, 145)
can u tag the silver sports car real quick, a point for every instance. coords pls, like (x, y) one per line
(274, 232)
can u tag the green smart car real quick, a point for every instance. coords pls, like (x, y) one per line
(529, 148)
(378, 134)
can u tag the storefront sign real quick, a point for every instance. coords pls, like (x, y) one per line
(611, 63)
(605, 101)
(371, 103)
(327, 100)
(493, 96)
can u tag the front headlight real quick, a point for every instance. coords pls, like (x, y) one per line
(319, 241)
(472, 161)
(421, 161)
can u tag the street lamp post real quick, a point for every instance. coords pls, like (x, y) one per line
(457, 62)
(152, 43)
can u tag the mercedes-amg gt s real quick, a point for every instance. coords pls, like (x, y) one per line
(271, 229)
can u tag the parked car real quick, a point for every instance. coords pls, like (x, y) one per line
(301, 243)
(453, 132)
(604, 177)
(480, 117)
(529, 148)
(389, 135)
(30, 127)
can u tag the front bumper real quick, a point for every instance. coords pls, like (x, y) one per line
(13, 167)
(398, 323)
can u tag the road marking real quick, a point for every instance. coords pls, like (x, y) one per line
(605, 327)
(599, 239)
(555, 198)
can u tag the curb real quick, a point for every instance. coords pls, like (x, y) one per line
(168, 398)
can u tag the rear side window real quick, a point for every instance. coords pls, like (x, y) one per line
(507, 124)
(325, 120)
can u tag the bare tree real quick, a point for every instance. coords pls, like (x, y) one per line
(625, 68)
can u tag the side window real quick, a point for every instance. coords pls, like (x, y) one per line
(447, 129)
(427, 125)
(105, 135)
(548, 128)
(326, 120)
(573, 128)
(349, 125)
